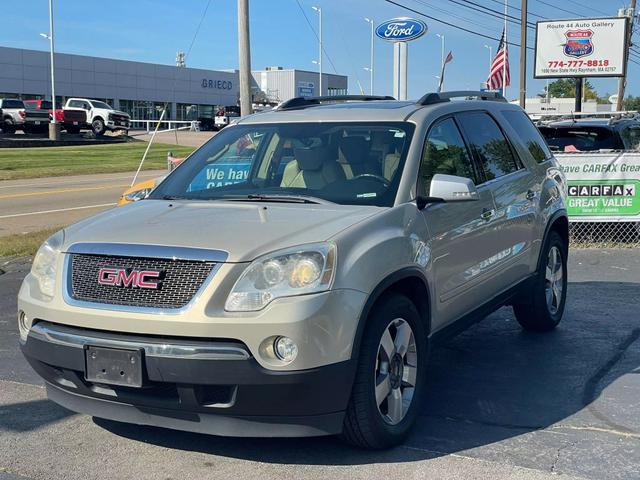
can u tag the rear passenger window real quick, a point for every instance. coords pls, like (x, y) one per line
(489, 143)
(444, 152)
(529, 134)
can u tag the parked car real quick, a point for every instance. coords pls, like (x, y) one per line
(224, 116)
(289, 277)
(71, 120)
(100, 116)
(592, 134)
(16, 117)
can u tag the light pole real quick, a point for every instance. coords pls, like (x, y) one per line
(319, 10)
(54, 127)
(441, 37)
(370, 69)
(490, 56)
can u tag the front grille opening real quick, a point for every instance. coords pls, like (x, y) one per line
(178, 280)
(215, 395)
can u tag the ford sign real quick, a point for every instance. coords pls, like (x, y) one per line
(401, 29)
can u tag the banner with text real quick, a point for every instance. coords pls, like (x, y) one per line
(602, 187)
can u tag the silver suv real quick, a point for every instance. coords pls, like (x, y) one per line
(290, 276)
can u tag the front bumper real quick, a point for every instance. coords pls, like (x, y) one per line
(205, 386)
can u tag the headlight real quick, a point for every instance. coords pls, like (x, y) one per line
(294, 271)
(138, 195)
(45, 261)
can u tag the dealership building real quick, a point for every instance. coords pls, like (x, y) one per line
(142, 89)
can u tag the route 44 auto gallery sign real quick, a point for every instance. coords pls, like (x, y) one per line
(586, 47)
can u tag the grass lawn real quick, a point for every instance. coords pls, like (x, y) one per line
(37, 162)
(23, 244)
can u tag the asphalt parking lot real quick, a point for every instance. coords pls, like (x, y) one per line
(502, 404)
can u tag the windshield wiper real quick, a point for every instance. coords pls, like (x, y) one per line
(173, 197)
(260, 197)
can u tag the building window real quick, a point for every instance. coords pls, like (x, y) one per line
(145, 110)
(186, 111)
(336, 91)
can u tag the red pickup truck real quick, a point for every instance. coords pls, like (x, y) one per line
(71, 120)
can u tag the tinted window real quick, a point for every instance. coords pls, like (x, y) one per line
(347, 163)
(489, 143)
(529, 134)
(579, 138)
(12, 104)
(631, 137)
(444, 152)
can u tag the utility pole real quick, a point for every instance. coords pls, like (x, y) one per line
(244, 57)
(54, 127)
(370, 21)
(319, 10)
(505, 46)
(630, 13)
(523, 53)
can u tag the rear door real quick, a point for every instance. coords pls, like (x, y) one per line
(459, 231)
(515, 192)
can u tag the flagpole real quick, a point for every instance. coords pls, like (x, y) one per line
(504, 63)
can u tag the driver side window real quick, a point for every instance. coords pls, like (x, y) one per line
(444, 152)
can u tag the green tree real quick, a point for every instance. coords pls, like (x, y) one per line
(631, 103)
(566, 88)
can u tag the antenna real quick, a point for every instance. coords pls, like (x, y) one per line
(180, 59)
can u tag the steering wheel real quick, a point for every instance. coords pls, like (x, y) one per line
(373, 176)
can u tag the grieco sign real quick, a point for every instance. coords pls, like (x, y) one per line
(593, 47)
(401, 29)
(217, 84)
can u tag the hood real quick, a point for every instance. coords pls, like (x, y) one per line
(244, 230)
(118, 112)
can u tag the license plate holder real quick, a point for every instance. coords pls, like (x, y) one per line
(37, 122)
(113, 366)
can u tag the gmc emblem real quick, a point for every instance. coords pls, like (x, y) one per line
(128, 278)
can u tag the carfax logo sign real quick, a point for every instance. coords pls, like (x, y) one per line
(578, 43)
(603, 198)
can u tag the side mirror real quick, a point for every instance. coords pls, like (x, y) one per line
(451, 188)
(448, 188)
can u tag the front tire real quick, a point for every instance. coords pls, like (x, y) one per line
(98, 127)
(390, 379)
(542, 307)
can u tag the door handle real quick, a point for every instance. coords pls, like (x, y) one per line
(531, 194)
(486, 214)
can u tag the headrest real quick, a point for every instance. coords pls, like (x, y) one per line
(310, 158)
(354, 149)
(382, 140)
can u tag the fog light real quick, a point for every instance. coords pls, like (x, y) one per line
(286, 349)
(22, 325)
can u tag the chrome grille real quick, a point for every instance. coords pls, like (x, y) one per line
(181, 280)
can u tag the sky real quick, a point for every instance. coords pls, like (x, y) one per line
(154, 30)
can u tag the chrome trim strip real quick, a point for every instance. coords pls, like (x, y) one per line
(149, 251)
(66, 338)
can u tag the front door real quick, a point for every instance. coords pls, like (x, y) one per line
(458, 230)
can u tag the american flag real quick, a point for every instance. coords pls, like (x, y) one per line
(498, 70)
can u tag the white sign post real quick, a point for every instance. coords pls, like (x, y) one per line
(585, 47)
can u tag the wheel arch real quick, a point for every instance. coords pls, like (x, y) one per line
(558, 222)
(409, 281)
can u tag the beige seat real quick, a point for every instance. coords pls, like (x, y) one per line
(390, 165)
(354, 158)
(313, 168)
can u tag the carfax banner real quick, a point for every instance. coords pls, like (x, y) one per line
(602, 187)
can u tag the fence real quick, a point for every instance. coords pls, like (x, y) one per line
(165, 125)
(604, 234)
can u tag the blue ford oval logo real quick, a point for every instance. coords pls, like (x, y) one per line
(401, 29)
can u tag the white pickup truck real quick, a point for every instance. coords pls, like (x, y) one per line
(101, 116)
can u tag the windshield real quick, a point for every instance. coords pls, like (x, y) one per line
(97, 104)
(345, 163)
(584, 139)
(12, 104)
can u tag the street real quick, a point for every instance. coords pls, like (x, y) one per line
(35, 204)
(501, 404)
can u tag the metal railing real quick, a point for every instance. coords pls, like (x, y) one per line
(165, 125)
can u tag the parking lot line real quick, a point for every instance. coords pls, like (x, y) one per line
(42, 212)
(66, 190)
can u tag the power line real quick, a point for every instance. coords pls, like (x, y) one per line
(444, 22)
(316, 35)
(195, 35)
(590, 8)
(455, 15)
(559, 8)
(520, 10)
(489, 11)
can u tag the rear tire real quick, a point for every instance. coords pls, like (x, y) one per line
(540, 309)
(9, 127)
(389, 384)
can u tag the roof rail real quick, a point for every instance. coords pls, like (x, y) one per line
(431, 98)
(304, 102)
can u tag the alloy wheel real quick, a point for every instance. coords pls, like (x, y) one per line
(554, 280)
